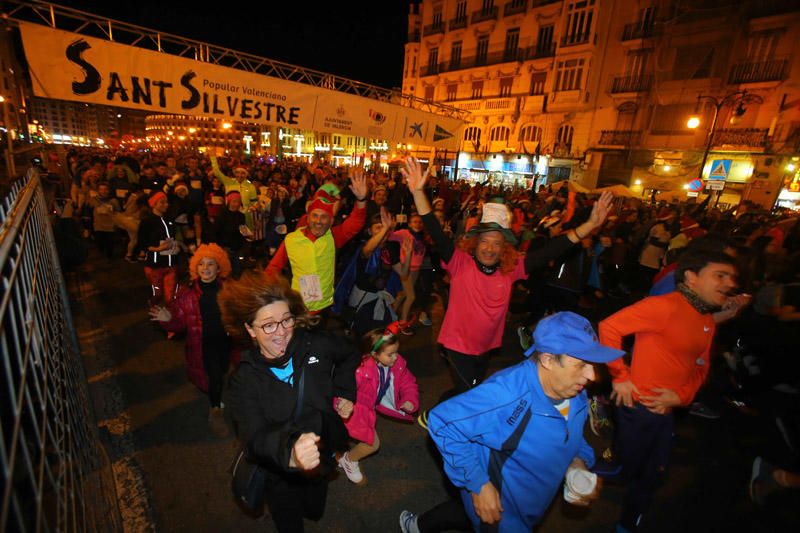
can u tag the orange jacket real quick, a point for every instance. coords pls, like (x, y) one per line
(671, 349)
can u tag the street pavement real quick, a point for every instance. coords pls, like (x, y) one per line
(172, 472)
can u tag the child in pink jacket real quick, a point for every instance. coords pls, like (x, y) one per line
(386, 385)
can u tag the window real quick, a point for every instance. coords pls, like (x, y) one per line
(483, 50)
(437, 18)
(564, 138)
(636, 63)
(461, 10)
(429, 92)
(477, 89)
(530, 133)
(452, 92)
(472, 134)
(499, 133)
(761, 46)
(505, 86)
(555, 174)
(579, 22)
(544, 40)
(512, 44)
(433, 61)
(568, 75)
(488, 5)
(537, 83)
(455, 55)
(337, 140)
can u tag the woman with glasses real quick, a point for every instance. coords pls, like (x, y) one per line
(289, 396)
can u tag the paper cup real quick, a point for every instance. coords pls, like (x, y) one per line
(578, 484)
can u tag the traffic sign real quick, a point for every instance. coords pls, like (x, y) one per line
(715, 185)
(696, 185)
(719, 169)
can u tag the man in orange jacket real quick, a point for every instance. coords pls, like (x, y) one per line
(670, 360)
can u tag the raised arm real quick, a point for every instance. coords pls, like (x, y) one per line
(375, 240)
(412, 171)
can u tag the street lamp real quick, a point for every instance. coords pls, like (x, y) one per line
(739, 98)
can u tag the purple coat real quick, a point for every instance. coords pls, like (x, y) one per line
(361, 424)
(185, 310)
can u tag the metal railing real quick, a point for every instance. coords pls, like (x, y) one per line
(495, 58)
(758, 71)
(433, 29)
(741, 137)
(547, 49)
(619, 137)
(574, 39)
(632, 84)
(515, 7)
(637, 30)
(91, 25)
(484, 14)
(457, 23)
(55, 474)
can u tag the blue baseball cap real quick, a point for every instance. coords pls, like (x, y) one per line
(571, 334)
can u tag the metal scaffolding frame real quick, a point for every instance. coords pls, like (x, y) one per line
(80, 22)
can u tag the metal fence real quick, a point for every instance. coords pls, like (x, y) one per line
(55, 473)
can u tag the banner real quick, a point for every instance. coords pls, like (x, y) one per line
(68, 66)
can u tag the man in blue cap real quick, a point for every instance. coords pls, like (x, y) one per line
(507, 443)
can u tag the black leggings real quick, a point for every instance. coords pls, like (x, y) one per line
(215, 361)
(289, 501)
(468, 371)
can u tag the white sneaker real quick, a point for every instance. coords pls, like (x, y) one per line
(351, 469)
(408, 522)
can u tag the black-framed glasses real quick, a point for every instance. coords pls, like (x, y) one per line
(271, 327)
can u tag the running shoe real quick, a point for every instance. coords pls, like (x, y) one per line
(408, 522)
(422, 419)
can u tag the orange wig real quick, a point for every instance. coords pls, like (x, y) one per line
(214, 252)
(508, 257)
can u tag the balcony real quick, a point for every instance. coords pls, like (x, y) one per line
(758, 71)
(432, 69)
(433, 29)
(540, 3)
(515, 8)
(484, 14)
(413, 37)
(619, 138)
(637, 30)
(457, 23)
(631, 84)
(741, 137)
(492, 105)
(575, 39)
(541, 50)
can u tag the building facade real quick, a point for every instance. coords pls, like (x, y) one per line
(60, 121)
(600, 91)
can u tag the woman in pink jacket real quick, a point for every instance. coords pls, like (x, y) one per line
(385, 385)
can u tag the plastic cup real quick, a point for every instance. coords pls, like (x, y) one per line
(578, 484)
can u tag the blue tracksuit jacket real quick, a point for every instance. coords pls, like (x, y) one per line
(506, 430)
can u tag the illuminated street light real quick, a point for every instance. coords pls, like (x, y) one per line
(667, 168)
(226, 125)
(790, 167)
(192, 130)
(685, 186)
(637, 182)
(693, 122)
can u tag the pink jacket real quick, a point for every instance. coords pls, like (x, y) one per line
(185, 310)
(361, 424)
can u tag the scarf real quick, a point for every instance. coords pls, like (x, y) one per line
(698, 303)
(488, 270)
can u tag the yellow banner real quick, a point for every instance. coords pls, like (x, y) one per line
(68, 66)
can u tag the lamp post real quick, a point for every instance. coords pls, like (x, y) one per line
(740, 98)
(10, 151)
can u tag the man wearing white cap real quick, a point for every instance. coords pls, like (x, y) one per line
(508, 443)
(483, 269)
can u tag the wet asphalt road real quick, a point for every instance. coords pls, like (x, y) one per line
(171, 471)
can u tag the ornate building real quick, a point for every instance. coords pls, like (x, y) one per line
(601, 90)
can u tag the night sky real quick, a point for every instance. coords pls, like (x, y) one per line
(358, 40)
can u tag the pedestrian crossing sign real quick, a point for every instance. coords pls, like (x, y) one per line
(719, 169)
